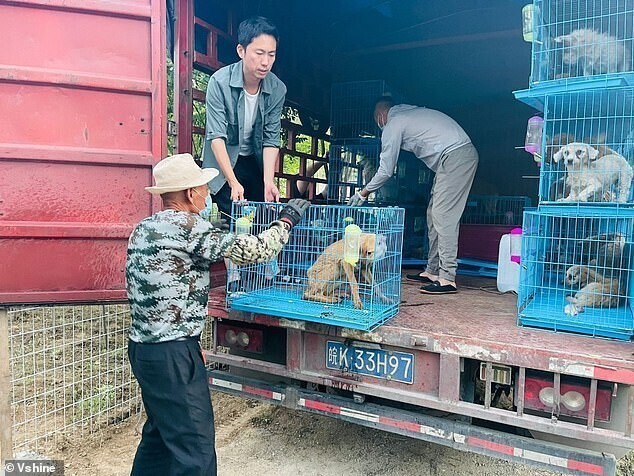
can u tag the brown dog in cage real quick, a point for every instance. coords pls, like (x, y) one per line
(329, 276)
(595, 290)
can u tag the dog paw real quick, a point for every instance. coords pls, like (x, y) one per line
(358, 305)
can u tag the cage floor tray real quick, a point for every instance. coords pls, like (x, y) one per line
(546, 311)
(289, 304)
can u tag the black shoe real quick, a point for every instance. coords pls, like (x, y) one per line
(437, 288)
(418, 278)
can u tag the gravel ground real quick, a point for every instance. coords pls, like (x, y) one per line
(258, 439)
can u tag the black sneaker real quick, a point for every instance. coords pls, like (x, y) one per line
(418, 278)
(437, 288)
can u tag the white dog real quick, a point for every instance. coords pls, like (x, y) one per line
(591, 177)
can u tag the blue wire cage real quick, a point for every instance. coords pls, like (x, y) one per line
(495, 210)
(352, 109)
(353, 163)
(588, 145)
(308, 279)
(578, 40)
(576, 271)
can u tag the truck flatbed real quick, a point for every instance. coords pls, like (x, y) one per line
(478, 323)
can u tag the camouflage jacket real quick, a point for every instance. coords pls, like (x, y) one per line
(167, 270)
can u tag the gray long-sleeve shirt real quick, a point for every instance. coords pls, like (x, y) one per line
(427, 133)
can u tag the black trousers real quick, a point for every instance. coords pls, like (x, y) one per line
(178, 436)
(250, 176)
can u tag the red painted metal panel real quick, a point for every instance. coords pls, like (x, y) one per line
(82, 91)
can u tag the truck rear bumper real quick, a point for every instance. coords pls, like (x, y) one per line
(456, 434)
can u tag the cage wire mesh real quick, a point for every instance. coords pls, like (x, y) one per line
(576, 271)
(495, 210)
(352, 109)
(589, 147)
(581, 38)
(70, 374)
(310, 280)
(353, 163)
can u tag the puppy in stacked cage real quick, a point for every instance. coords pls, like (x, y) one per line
(592, 176)
(330, 275)
(599, 281)
(586, 52)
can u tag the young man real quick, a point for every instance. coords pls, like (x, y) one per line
(167, 281)
(446, 149)
(244, 107)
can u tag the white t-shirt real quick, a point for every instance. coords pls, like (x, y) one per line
(250, 108)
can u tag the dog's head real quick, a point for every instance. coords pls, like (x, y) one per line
(576, 154)
(576, 276)
(372, 246)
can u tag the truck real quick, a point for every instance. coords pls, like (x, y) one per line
(83, 87)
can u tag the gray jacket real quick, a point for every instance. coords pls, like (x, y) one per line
(427, 133)
(225, 116)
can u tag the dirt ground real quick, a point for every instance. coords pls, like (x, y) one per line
(254, 438)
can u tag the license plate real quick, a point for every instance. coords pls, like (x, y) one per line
(398, 366)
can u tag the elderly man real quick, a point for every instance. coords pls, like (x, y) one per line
(446, 149)
(167, 279)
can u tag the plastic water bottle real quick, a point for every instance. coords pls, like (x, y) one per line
(516, 244)
(271, 269)
(533, 141)
(527, 22)
(243, 225)
(351, 239)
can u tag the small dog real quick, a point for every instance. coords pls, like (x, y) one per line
(590, 177)
(330, 273)
(596, 290)
(588, 52)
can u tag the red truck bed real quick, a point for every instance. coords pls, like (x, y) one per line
(480, 323)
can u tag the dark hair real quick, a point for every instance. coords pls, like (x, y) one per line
(253, 27)
(384, 100)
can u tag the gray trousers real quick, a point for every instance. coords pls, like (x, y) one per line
(448, 199)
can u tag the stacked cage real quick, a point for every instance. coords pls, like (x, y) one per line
(485, 220)
(341, 266)
(576, 248)
(582, 43)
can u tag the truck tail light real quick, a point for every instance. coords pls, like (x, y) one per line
(250, 340)
(539, 394)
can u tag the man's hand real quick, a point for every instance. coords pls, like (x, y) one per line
(293, 211)
(357, 200)
(271, 193)
(237, 191)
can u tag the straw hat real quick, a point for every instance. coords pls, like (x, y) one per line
(179, 172)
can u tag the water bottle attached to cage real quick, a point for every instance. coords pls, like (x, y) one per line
(352, 242)
(516, 244)
(527, 22)
(533, 141)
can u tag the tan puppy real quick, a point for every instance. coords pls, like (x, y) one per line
(595, 290)
(327, 277)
